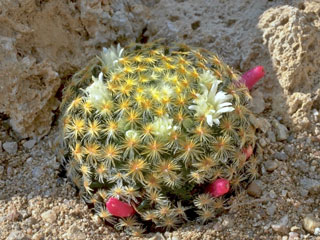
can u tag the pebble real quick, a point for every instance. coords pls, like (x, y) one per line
(272, 194)
(293, 236)
(37, 172)
(257, 105)
(271, 136)
(37, 236)
(311, 225)
(289, 149)
(271, 165)
(16, 235)
(260, 123)
(10, 147)
(271, 209)
(75, 233)
(262, 142)
(49, 216)
(301, 165)
(254, 189)
(282, 225)
(29, 144)
(0, 146)
(281, 130)
(280, 156)
(311, 185)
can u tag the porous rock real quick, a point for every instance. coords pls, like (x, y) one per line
(291, 34)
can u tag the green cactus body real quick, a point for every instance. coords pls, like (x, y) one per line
(151, 125)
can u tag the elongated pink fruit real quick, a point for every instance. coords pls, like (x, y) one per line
(251, 77)
(219, 187)
(118, 208)
(248, 151)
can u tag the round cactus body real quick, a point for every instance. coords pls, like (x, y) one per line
(153, 126)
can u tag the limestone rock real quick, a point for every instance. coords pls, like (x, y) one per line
(292, 34)
(40, 52)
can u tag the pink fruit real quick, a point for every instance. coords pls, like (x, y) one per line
(219, 187)
(118, 208)
(251, 77)
(248, 151)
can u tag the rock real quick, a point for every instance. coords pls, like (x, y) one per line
(260, 123)
(37, 172)
(311, 225)
(75, 233)
(159, 236)
(271, 209)
(311, 185)
(262, 142)
(301, 165)
(290, 150)
(293, 236)
(37, 236)
(13, 214)
(16, 235)
(254, 189)
(34, 60)
(29, 144)
(282, 226)
(280, 156)
(257, 104)
(281, 130)
(0, 146)
(271, 136)
(271, 165)
(49, 216)
(295, 65)
(10, 147)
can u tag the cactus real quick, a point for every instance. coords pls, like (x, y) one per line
(150, 127)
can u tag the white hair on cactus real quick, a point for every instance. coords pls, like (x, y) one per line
(162, 126)
(97, 92)
(110, 56)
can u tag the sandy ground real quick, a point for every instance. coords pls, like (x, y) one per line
(37, 203)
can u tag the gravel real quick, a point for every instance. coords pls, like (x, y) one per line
(36, 203)
(10, 147)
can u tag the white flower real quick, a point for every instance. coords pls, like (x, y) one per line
(97, 92)
(212, 104)
(163, 126)
(111, 56)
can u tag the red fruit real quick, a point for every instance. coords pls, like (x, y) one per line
(219, 187)
(251, 77)
(118, 208)
(248, 151)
